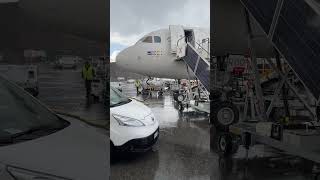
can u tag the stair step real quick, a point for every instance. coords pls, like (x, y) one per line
(198, 65)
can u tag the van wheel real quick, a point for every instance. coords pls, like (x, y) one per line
(112, 152)
(111, 147)
(224, 115)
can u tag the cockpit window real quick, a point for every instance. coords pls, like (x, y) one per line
(147, 39)
(157, 39)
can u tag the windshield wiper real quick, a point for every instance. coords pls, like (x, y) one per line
(119, 103)
(17, 137)
(31, 131)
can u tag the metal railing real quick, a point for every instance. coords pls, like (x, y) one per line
(200, 45)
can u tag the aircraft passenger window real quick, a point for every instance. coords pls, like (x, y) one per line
(157, 39)
(148, 39)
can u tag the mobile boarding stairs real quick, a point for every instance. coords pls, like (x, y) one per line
(196, 94)
(298, 42)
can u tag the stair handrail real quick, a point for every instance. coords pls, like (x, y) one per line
(199, 50)
(179, 42)
(201, 47)
(314, 5)
(198, 53)
(180, 39)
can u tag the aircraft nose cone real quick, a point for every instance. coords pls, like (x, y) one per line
(122, 58)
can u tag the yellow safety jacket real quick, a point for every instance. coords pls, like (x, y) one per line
(87, 73)
(137, 83)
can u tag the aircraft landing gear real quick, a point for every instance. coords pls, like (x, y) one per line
(179, 99)
(160, 93)
(145, 92)
(224, 114)
(227, 144)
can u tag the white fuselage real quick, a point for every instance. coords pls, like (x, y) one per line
(154, 58)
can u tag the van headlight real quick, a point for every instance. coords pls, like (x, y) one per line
(127, 121)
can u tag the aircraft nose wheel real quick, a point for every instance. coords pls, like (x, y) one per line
(225, 114)
(227, 145)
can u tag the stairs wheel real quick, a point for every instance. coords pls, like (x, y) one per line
(225, 144)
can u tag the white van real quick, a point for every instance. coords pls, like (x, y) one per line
(133, 126)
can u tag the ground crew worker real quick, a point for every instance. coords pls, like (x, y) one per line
(87, 75)
(137, 83)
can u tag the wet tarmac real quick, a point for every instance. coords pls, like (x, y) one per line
(182, 150)
(262, 162)
(64, 90)
(187, 150)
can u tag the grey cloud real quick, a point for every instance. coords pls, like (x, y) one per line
(130, 17)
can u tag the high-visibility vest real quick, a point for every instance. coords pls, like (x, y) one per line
(87, 73)
(137, 83)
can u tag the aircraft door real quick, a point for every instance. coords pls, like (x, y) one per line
(178, 43)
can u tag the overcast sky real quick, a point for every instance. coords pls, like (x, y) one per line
(131, 19)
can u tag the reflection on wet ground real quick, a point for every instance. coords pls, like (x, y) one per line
(262, 162)
(182, 151)
(64, 90)
(187, 149)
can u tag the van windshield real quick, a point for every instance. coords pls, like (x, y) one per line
(20, 112)
(117, 98)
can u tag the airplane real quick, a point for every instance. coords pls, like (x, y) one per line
(157, 53)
